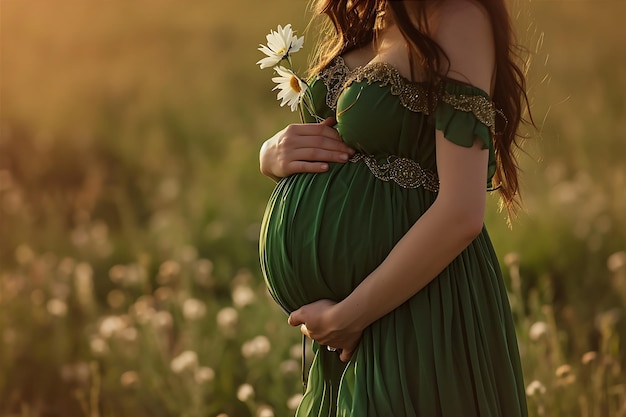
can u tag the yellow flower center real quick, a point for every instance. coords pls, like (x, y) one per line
(281, 51)
(295, 84)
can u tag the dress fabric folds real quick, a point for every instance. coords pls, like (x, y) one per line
(451, 349)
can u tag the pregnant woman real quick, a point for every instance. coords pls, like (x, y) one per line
(373, 239)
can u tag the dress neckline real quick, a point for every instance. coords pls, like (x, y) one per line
(337, 76)
(375, 64)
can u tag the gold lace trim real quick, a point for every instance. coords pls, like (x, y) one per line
(481, 107)
(414, 96)
(334, 77)
(403, 171)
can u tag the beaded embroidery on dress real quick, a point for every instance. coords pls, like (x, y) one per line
(413, 95)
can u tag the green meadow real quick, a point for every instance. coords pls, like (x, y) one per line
(130, 203)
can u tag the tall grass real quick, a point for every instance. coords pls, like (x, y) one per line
(130, 200)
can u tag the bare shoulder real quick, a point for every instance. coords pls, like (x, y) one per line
(463, 30)
(463, 9)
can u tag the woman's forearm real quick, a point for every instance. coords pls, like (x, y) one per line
(440, 235)
(429, 246)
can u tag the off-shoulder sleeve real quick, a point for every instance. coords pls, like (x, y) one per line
(465, 112)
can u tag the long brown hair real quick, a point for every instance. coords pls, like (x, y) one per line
(352, 25)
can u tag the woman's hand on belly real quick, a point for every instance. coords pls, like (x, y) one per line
(320, 322)
(303, 148)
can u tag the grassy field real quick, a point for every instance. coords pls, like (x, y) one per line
(130, 203)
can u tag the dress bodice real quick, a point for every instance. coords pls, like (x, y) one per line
(380, 113)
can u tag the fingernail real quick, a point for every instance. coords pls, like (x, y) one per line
(343, 157)
(324, 167)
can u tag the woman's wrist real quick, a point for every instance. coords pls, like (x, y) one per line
(351, 315)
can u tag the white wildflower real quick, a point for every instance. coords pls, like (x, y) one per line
(242, 296)
(66, 266)
(203, 375)
(116, 298)
(280, 45)
(291, 88)
(535, 388)
(187, 360)
(163, 294)
(129, 379)
(265, 411)
(98, 346)
(245, 393)
(289, 367)
(537, 330)
(162, 320)
(128, 334)
(589, 357)
(193, 309)
(295, 351)
(57, 308)
(512, 259)
(227, 319)
(117, 273)
(256, 348)
(616, 261)
(143, 309)
(294, 401)
(565, 375)
(168, 272)
(111, 326)
(562, 371)
(203, 271)
(135, 275)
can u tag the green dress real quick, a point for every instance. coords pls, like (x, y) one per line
(451, 349)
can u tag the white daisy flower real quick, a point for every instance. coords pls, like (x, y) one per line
(292, 88)
(279, 46)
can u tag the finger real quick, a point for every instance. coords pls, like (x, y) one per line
(321, 129)
(295, 318)
(319, 155)
(323, 143)
(308, 140)
(310, 129)
(313, 135)
(329, 121)
(305, 331)
(346, 355)
(312, 167)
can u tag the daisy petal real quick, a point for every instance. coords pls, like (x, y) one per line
(291, 88)
(280, 45)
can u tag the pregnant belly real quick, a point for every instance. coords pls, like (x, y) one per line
(322, 234)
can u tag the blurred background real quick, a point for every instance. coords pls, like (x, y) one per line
(130, 203)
